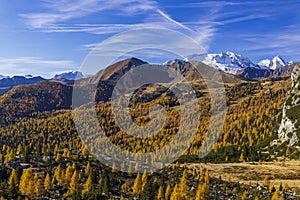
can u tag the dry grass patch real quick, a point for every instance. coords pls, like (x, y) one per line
(252, 173)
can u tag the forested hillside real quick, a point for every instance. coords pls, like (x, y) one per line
(42, 154)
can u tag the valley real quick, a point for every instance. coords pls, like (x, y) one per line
(149, 100)
(42, 136)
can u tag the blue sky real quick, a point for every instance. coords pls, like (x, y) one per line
(48, 36)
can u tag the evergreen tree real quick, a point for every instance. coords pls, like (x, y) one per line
(13, 183)
(104, 183)
(148, 193)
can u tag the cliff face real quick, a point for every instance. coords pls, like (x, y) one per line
(289, 130)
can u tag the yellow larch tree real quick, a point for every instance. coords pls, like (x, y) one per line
(26, 185)
(183, 186)
(47, 182)
(144, 179)
(176, 193)
(137, 185)
(160, 193)
(74, 184)
(88, 169)
(87, 186)
(168, 192)
(38, 185)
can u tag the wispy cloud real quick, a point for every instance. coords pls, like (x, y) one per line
(167, 17)
(60, 16)
(61, 11)
(33, 66)
(284, 42)
(245, 18)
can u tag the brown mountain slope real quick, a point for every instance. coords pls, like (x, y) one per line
(27, 100)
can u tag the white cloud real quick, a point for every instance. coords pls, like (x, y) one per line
(284, 42)
(61, 11)
(167, 17)
(246, 17)
(58, 15)
(34, 66)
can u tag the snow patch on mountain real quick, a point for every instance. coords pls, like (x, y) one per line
(228, 62)
(3, 77)
(28, 76)
(265, 63)
(232, 63)
(171, 62)
(73, 75)
(275, 63)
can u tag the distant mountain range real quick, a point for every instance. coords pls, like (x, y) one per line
(73, 75)
(7, 82)
(227, 62)
(241, 66)
(234, 63)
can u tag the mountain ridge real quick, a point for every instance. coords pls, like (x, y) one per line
(241, 66)
(9, 82)
(72, 75)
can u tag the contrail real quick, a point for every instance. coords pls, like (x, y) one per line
(172, 20)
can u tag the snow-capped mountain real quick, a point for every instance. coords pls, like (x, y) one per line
(232, 63)
(28, 76)
(171, 62)
(275, 63)
(265, 63)
(74, 75)
(241, 66)
(3, 77)
(229, 62)
(8, 82)
(8, 77)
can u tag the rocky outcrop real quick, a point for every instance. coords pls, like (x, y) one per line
(289, 126)
(251, 73)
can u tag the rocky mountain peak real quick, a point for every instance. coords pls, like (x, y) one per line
(289, 130)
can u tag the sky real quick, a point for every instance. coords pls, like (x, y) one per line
(45, 37)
